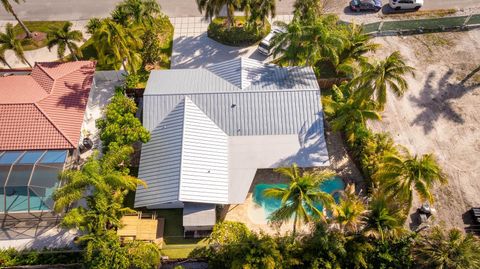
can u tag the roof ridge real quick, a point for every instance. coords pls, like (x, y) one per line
(53, 124)
(184, 100)
(236, 92)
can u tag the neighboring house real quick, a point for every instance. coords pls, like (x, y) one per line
(212, 128)
(41, 118)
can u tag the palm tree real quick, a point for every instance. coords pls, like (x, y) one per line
(9, 41)
(305, 43)
(259, 10)
(307, 9)
(385, 217)
(64, 38)
(8, 7)
(116, 45)
(3, 60)
(348, 214)
(447, 249)
(300, 199)
(357, 43)
(213, 7)
(140, 12)
(348, 111)
(389, 72)
(103, 187)
(403, 173)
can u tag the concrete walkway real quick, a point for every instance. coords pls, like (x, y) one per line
(42, 54)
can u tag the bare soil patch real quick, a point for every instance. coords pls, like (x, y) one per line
(440, 114)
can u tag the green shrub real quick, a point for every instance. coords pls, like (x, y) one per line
(12, 257)
(239, 35)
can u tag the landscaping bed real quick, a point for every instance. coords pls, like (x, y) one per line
(238, 35)
(39, 30)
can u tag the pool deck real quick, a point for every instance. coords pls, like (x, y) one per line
(253, 215)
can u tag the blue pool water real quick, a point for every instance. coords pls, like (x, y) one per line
(269, 205)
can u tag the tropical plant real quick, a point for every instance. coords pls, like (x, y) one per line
(385, 217)
(302, 196)
(64, 38)
(356, 44)
(258, 10)
(401, 174)
(377, 76)
(307, 10)
(307, 42)
(9, 41)
(447, 250)
(9, 9)
(391, 252)
(117, 45)
(139, 12)
(103, 188)
(92, 25)
(348, 111)
(120, 126)
(3, 59)
(212, 8)
(349, 213)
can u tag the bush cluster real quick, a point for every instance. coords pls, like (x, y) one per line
(239, 35)
(13, 257)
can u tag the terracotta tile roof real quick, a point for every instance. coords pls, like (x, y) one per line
(45, 110)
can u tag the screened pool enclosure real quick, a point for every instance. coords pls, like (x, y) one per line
(28, 179)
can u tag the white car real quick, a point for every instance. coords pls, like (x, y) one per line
(405, 4)
(265, 46)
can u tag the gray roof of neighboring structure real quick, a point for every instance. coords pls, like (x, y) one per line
(277, 109)
(197, 214)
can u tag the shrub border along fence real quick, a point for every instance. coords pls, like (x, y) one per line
(408, 27)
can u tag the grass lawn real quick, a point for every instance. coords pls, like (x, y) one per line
(176, 246)
(37, 26)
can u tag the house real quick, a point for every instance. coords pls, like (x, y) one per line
(41, 118)
(213, 127)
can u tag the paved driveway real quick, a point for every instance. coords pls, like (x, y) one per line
(192, 47)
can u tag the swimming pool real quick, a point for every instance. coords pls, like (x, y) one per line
(269, 205)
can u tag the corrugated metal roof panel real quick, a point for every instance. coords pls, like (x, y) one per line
(160, 161)
(245, 113)
(204, 168)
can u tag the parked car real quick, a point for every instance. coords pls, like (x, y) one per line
(405, 4)
(265, 46)
(365, 5)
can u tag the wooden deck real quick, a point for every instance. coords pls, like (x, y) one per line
(144, 229)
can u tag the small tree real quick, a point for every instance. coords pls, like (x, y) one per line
(9, 41)
(120, 126)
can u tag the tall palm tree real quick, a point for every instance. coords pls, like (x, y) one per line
(117, 45)
(103, 187)
(305, 43)
(348, 214)
(357, 43)
(385, 217)
(390, 73)
(300, 199)
(447, 249)
(9, 41)
(348, 111)
(140, 12)
(64, 38)
(8, 7)
(401, 174)
(212, 8)
(3, 59)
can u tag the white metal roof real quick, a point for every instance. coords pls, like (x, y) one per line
(186, 160)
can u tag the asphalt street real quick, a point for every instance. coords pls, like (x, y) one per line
(85, 9)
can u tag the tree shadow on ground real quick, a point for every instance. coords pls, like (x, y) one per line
(437, 100)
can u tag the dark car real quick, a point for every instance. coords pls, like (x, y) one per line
(367, 5)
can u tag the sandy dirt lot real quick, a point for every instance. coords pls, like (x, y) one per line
(441, 114)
